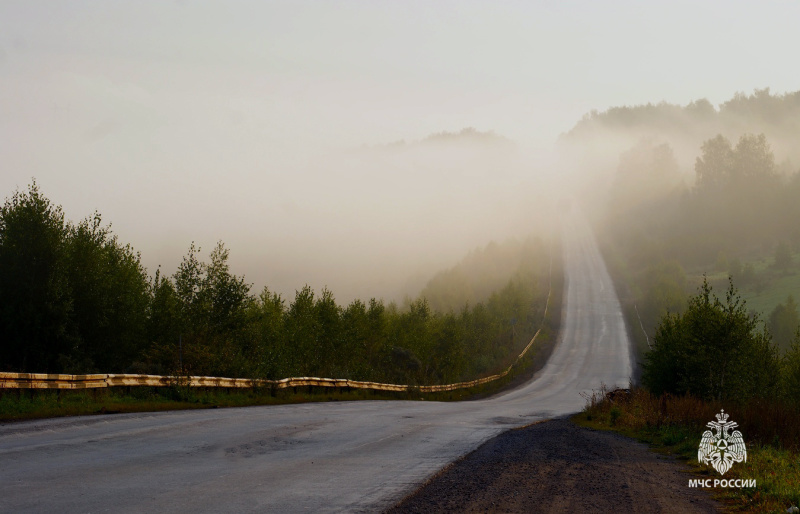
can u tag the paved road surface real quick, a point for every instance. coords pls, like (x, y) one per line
(325, 457)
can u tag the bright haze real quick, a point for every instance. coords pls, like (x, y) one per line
(275, 126)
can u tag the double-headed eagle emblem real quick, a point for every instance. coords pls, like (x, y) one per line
(719, 447)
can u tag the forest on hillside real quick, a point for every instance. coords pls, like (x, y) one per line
(777, 116)
(683, 249)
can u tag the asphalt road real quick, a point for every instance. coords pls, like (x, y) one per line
(325, 457)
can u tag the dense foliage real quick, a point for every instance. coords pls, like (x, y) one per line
(71, 296)
(714, 350)
(740, 208)
(661, 235)
(74, 299)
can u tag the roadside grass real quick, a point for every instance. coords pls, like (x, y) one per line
(674, 425)
(768, 288)
(49, 404)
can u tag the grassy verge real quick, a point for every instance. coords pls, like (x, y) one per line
(674, 425)
(49, 404)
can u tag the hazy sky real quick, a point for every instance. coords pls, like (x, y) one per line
(238, 121)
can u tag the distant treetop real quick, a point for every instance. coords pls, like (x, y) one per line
(468, 134)
(761, 108)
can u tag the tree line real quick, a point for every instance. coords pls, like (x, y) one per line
(74, 299)
(740, 206)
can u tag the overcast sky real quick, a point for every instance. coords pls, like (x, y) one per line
(203, 121)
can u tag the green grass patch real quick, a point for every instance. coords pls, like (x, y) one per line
(780, 287)
(674, 425)
(49, 404)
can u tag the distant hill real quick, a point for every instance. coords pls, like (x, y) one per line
(466, 136)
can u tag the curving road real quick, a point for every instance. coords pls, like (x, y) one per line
(324, 457)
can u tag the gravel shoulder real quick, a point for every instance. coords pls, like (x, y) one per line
(556, 466)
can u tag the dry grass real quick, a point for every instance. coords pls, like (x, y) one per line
(674, 424)
(764, 422)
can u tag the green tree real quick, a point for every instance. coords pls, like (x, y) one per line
(164, 328)
(784, 322)
(713, 350)
(267, 317)
(35, 304)
(721, 165)
(714, 165)
(753, 159)
(328, 342)
(448, 348)
(213, 306)
(376, 344)
(109, 291)
(791, 372)
(301, 334)
(354, 350)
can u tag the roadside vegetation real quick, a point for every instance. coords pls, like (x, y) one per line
(679, 250)
(674, 425)
(74, 299)
(716, 356)
(18, 404)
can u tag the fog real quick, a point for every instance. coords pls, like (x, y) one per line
(299, 133)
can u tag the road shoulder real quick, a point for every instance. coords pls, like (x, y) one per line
(556, 466)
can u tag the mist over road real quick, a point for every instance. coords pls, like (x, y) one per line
(323, 457)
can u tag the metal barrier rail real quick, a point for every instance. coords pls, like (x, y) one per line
(60, 381)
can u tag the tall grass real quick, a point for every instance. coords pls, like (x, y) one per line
(674, 424)
(762, 421)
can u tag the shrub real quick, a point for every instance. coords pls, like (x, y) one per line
(714, 350)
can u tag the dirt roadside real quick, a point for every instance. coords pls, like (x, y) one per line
(556, 466)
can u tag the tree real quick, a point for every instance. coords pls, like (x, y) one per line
(783, 256)
(301, 334)
(213, 315)
(34, 296)
(354, 354)
(720, 165)
(164, 328)
(267, 317)
(753, 159)
(714, 165)
(109, 292)
(328, 342)
(713, 350)
(224, 293)
(784, 322)
(791, 372)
